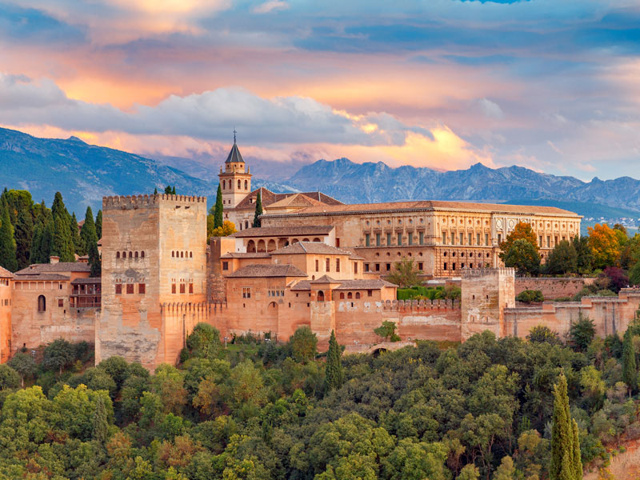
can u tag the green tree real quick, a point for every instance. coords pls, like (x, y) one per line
(62, 245)
(304, 344)
(563, 259)
(334, 375)
(8, 258)
(387, 331)
(543, 334)
(582, 332)
(58, 355)
(629, 365)
(100, 422)
(256, 218)
(523, 256)
(584, 254)
(168, 190)
(24, 364)
(204, 342)
(9, 378)
(522, 231)
(218, 209)
(405, 274)
(99, 224)
(95, 262)
(21, 211)
(566, 463)
(78, 244)
(88, 233)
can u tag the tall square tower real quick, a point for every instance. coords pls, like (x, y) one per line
(153, 276)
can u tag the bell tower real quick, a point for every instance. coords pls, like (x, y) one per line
(235, 181)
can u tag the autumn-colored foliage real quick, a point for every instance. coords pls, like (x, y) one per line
(606, 244)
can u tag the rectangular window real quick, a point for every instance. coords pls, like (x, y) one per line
(540, 240)
(366, 267)
(60, 303)
(317, 265)
(444, 238)
(388, 265)
(183, 288)
(246, 292)
(377, 239)
(410, 239)
(337, 264)
(477, 239)
(471, 239)
(118, 289)
(556, 242)
(328, 264)
(191, 288)
(421, 238)
(453, 266)
(355, 267)
(445, 265)
(548, 241)
(129, 288)
(142, 288)
(337, 242)
(377, 267)
(173, 288)
(486, 239)
(461, 238)
(453, 238)
(369, 293)
(499, 238)
(225, 265)
(399, 239)
(389, 239)
(367, 240)
(420, 266)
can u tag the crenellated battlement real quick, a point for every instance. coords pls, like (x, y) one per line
(485, 272)
(125, 202)
(420, 305)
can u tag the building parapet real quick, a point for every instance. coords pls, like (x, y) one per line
(482, 272)
(137, 201)
(417, 305)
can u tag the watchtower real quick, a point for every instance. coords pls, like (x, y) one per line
(235, 181)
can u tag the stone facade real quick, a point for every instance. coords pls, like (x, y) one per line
(153, 274)
(6, 306)
(553, 288)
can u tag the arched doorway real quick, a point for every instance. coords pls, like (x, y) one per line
(251, 246)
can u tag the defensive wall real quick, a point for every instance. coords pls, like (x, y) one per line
(553, 288)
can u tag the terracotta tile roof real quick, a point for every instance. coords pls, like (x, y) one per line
(55, 268)
(429, 205)
(302, 285)
(39, 277)
(297, 200)
(90, 280)
(365, 285)
(313, 248)
(268, 198)
(325, 279)
(284, 231)
(245, 255)
(4, 273)
(263, 271)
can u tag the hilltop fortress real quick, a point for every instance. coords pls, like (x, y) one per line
(314, 262)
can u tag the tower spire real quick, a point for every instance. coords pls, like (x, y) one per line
(234, 135)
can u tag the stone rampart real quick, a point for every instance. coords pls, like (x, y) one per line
(553, 288)
(137, 201)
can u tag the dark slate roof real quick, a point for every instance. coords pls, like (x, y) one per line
(90, 280)
(4, 273)
(234, 155)
(55, 268)
(285, 231)
(314, 248)
(302, 285)
(40, 277)
(263, 271)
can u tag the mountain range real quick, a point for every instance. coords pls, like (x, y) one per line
(85, 173)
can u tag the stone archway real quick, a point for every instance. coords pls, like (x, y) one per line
(251, 246)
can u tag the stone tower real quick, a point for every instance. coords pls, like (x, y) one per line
(485, 295)
(153, 276)
(235, 181)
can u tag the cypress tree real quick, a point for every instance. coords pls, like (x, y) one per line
(100, 422)
(629, 365)
(167, 190)
(155, 191)
(62, 235)
(88, 233)
(256, 219)
(334, 376)
(24, 232)
(173, 191)
(8, 257)
(95, 261)
(78, 244)
(565, 443)
(218, 219)
(99, 224)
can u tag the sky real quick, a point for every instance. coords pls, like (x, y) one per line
(545, 84)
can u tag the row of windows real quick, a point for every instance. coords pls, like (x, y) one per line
(229, 184)
(376, 267)
(327, 266)
(445, 266)
(411, 239)
(130, 255)
(468, 239)
(129, 288)
(4, 282)
(398, 222)
(275, 293)
(181, 254)
(478, 254)
(183, 288)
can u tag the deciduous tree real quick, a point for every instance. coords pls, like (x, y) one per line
(404, 274)
(523, 256)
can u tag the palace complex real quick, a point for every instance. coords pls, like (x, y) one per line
(314, 262)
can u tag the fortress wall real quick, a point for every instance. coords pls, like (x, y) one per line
(553, 288)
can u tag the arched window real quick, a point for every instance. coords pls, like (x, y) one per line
(239, 184)
(142, 254)
(130, 254)
(181, 254)
(357, 295)
(246, 224)
(341, 296)
(173, 254)
(136, 255)
(320, 296)
(124, 254)
(349, 295)
(117, 254)
(246, 185)
(190, 254)
(42, 303)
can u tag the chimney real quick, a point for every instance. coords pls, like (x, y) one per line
(54, 259)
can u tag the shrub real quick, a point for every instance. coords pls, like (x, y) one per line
(530, 296)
